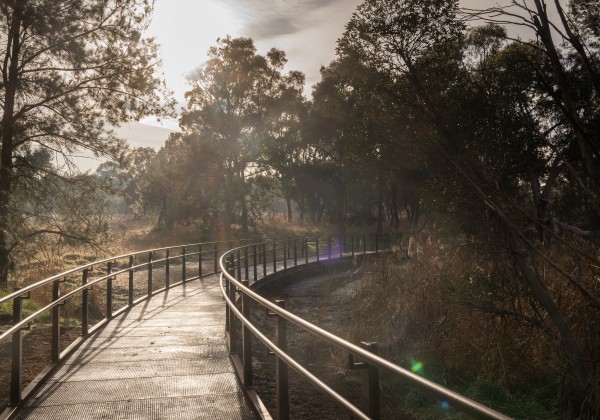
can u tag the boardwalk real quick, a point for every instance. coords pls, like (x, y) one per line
(166, 358)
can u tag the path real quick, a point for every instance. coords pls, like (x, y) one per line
(166, 358)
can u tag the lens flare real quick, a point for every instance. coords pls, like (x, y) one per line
(444, 405)
(417, 367)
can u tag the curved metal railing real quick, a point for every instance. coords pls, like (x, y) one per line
(120, 283)
(238, 310)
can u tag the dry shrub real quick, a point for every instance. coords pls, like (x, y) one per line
(465, 313)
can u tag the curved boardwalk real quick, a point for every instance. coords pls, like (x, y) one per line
(164, 359)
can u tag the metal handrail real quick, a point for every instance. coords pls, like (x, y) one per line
(228, 280)
(17, 395)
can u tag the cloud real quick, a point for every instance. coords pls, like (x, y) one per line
(264, 19)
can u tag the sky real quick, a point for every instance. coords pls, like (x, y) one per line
(306, 30)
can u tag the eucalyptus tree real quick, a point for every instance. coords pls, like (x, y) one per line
(70, 70)
(487, 143)
(235, 98)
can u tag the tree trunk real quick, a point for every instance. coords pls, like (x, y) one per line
(7, 131)
(289, 209)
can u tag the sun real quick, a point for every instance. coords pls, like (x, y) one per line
(185, 30)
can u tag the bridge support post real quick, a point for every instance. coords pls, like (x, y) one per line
(281, 369)
(246, 340)
(370, 400)
(264, 258)
(295, 252)
(168, 269)
(285, 253)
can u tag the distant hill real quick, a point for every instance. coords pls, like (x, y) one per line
(143, 135)
(137, 135)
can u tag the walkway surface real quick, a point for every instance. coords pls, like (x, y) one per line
(164, 359)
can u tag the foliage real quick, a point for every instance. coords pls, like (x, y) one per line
(70, 70)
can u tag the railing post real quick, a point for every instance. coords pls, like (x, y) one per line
(274, 255)
(232, 330)
(200, 261)
(364, 244)
(295, 252)
(183, 261)
(246, 263)
(370, 400)
(55, 353)
(305, 246)
(285, 253)
(352, 244)
(246, 339)
(264, 258)
(216, 257)
(376, 243)
(85, 304)
(16, 373)
(317, 248)
(131, 285)
(341, 244)
(168, 269)
(255, 263)
(229, 267)
(150, 288)
(329, 247)
(109, 290)
(239, 266)
(281, 368)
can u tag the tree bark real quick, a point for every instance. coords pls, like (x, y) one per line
(7, 127)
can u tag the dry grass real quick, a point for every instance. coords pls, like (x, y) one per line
(465, 316)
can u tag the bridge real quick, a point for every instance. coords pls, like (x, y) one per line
(168, 333)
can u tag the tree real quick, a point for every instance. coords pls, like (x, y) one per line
(486, 144)
(231, 105)
(70, 70)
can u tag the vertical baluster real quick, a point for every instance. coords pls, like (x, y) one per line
(317, 248)
(216, 257)
(183, 264)
(131, 284)
(232, 326)
(295, 252)
(246, 340)
(264, 258)
(150, 267)
(200, 261)
(16, 373)
(85, 304)
(109, 290)
(255, 261)
(274, 256)
(168, 269)
(281, 368)
(55, 353)
(246, 263)
(285, 254)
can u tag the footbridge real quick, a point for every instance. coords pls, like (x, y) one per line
(169, 333)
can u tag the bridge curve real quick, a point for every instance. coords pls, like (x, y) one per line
(162, 353)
